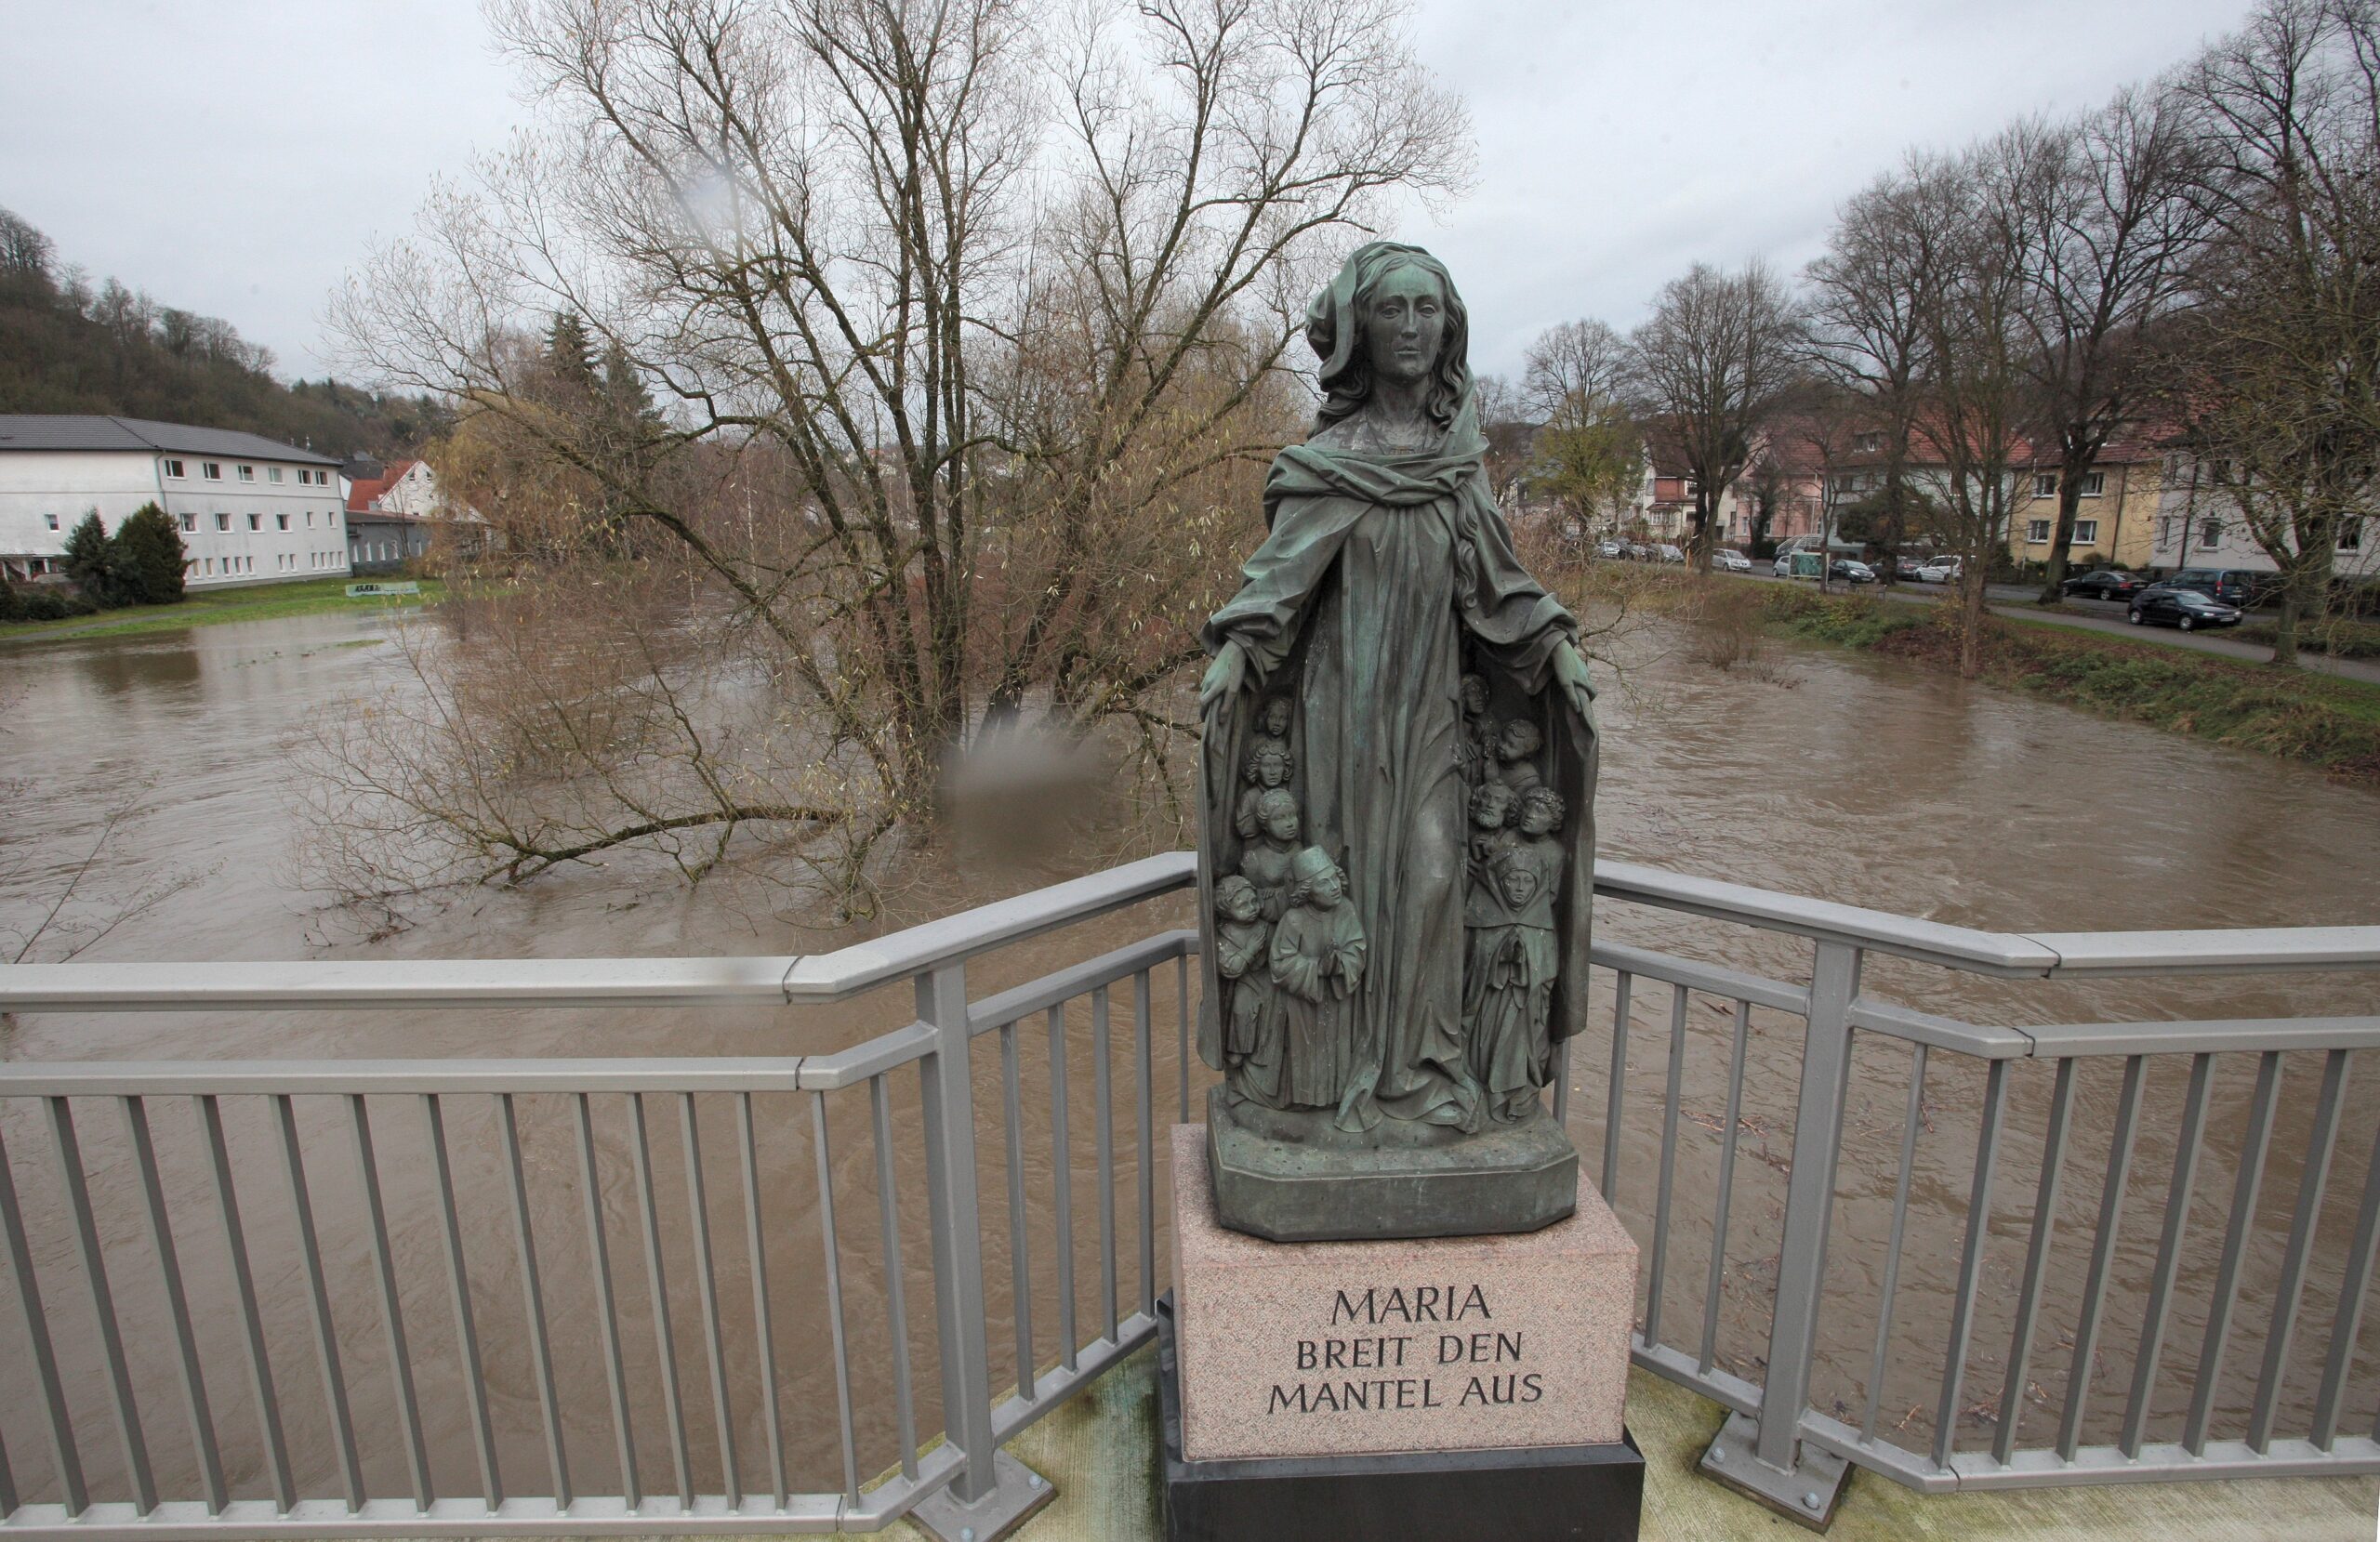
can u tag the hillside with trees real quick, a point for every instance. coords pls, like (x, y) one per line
(68, 347)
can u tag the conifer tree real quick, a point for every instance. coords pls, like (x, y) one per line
(93, 563)
(149, 557)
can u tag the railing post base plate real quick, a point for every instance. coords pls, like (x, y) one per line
(1806, 1494)
(1018, 1495)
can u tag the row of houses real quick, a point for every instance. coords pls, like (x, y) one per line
(2141, 505)
(251, 510)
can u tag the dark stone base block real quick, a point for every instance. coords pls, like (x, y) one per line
(1545, 1493)
(1289, 1175)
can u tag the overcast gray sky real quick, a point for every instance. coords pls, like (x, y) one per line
(237, 157)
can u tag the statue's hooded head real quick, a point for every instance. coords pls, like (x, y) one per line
(1334, 327)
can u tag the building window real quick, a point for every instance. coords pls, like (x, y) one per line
(2210, 534)
(2036, 531)
(212, 470)
(190, 523)
(2351, 535)
(222, 522)
(173, 469)
(50, 519)
(309, 519)
(2094, 483)
(247, 473)
(1867, 444)
(210, 567)
(281, 521)
(2086, 533)
(272, 473)
(2046, 486)
(256, 521)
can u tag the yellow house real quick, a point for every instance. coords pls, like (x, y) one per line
(2115, 520)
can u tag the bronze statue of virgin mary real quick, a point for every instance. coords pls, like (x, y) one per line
(1397, 840)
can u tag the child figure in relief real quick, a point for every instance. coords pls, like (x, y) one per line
(1265, 860)
(1252, 1024)
(1517, 748)
(1272, 726)
(1318, 963)
(1474, 744)
(1510, 959)
(1266, 766)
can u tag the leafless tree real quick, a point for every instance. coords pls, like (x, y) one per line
(1591, 456)
(2110, 230)
(1708, 369)
(1001, 306)
(2275, 381)
(1977, 392)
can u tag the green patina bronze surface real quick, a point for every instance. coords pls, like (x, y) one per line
(1397, 782)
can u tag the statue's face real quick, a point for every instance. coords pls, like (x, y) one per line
(1277, 717)
(1282, 824)
(1515, 741)
(1241, 904)
(1328, 886)
(1272, 768)
(1537, 818)
(1475, 695)
(1406, 326)
(1489, 811)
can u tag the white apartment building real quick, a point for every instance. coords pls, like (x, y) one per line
(2200, 526)
(251, 511)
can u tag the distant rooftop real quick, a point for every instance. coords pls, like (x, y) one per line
(84, 431)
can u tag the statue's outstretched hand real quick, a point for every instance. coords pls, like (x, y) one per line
(1578, 687)
(1226, 676)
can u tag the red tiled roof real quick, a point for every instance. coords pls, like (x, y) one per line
(364, 490)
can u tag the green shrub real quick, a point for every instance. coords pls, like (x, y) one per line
(94, 564)
(49, 603)
(150, 560)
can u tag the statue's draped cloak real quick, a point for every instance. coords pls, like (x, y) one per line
(1382, 580)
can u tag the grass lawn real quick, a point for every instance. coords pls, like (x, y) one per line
(256, 602)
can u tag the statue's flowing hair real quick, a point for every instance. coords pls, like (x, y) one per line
(1334, 329)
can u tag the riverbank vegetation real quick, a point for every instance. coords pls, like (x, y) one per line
(2318, 719)
(214, 607)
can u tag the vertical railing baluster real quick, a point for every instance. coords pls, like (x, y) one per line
(260, 1368)
(897, 1311)
(318, 1304)
(1809, 1203)
(1673, 1095)
(763, 1324)
(2169, 1256)
(657, 1277)
(1020, 1253)
(2312, 1178)
(1062, 1187)
(1716, 1283)
(95, 1278)
(1182, 1026)
(607, 1316)
(532, 1299)
(65, 1454)
(706, 1271)
(1104, 1098)
(825, 1160)
(1560, 1070)
(2102, 1246)
(2347, 1321)
(2028, 1296)
(2249, 1179)
(1954, 1364)
(169, 1271)
(8, 1500)
(1888, 1288)
(458, 1279)
(956, 1222)
(392, 1321)
(1144, 1031)
(1616, 1090)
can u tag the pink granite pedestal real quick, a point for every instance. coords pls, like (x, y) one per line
(1329, 1349)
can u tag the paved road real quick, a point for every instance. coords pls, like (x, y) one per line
(2015, 601)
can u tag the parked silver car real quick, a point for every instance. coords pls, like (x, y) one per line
(1728, 560)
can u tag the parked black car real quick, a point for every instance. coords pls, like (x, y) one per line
(1849, 572)
(2237, 586)
(2170, 605)
(2106, 584)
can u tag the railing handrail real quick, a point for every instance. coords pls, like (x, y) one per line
(782, 978)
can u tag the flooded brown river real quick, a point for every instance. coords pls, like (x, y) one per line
(1830, 776)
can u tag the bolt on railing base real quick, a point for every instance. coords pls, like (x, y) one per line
(1807, 1493)
(1018, 1495)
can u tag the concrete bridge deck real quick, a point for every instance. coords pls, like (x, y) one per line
(1101, 1450)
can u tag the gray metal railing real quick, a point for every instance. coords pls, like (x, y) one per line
(544, 1231)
